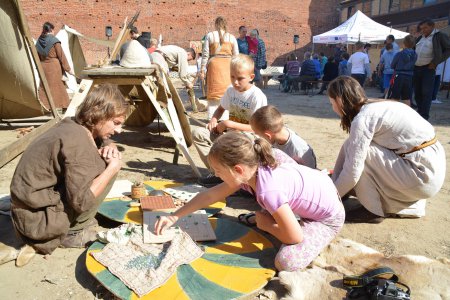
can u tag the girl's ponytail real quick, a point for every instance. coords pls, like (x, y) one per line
(235, 148)
(263, 150)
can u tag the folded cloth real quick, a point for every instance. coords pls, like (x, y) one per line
(145, 267)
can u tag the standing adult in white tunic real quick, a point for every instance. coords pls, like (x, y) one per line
(392, 159)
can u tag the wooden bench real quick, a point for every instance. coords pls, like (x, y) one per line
(271, 72)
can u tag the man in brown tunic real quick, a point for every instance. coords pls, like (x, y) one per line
(63, 176)
(53, 62)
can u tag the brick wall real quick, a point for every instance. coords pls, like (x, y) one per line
(180, 21)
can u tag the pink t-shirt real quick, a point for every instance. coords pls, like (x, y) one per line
(310, 193)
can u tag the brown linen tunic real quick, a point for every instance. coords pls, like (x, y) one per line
(53, 66)
(51, 184)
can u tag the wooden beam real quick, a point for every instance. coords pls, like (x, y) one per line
(13, 150)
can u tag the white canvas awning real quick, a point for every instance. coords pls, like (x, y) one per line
(358, 28)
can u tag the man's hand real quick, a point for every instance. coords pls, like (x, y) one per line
(110, 151)
(202, 75)
(189, 86)
(432, 66)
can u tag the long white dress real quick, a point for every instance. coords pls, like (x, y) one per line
(370, 163)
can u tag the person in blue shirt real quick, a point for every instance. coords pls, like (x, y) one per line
(242, 40)
(343, 70)
(318, 66)
(385, 67)
(308, 71)
(403, 66)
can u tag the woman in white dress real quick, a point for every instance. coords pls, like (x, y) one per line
(391, 159)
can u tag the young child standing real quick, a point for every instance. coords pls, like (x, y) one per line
(241, 99)
(403, 64)
(283, 189)
(267, 122)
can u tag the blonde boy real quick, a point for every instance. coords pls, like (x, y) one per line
(267, 122)
(241, 99)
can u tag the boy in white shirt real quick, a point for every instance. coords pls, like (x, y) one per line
(267, 122)
(359, 64)
(241, 99)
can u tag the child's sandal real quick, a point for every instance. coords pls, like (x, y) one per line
(245, 219)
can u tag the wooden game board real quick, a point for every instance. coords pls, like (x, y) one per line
(157, 203)
(118, 208)
(196, 225)
(238, 263)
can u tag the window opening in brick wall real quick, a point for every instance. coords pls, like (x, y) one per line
(349, 12)
(394, 5)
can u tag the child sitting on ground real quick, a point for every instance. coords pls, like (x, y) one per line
(267, 122)
(283, 188)
(241, 99)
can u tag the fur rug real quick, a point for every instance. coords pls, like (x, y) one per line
(428, 278)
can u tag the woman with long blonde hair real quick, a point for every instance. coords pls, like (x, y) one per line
(219, 47)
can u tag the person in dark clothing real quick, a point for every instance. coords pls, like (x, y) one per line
(432, 48)
(308, 71)
(330, 72)
(403, 65)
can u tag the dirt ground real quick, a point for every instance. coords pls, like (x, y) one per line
(148, 155)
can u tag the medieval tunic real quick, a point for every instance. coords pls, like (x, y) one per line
(370, 163)
(51, 184)
(218, 57)
(54, 64)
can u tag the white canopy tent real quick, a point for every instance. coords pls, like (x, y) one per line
(358, 28)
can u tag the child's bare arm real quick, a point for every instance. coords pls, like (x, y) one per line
(212, 125)
(202, 200)
(282, 224)
(224, 125)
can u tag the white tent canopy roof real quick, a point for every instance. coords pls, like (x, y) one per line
(358, 28)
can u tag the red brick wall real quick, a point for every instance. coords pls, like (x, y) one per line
(181, 21)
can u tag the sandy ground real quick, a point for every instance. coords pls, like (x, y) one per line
(148, 155)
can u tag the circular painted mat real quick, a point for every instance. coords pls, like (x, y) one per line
(239, 262)
(119, 210)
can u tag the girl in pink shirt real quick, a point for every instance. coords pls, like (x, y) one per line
(284, 190)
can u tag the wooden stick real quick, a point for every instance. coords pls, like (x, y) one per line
(201, 123)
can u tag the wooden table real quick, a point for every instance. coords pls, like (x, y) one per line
(170, 109)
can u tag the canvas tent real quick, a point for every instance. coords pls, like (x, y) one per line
(20, 71)
(358, 28)
(18, 74)
(70, 43)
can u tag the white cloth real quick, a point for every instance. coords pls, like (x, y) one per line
(177, 56)
(135, 56)
(358, 61)
(213, 37)
(369, 160)
(424, 50)
(242, 105)
(298, 149)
